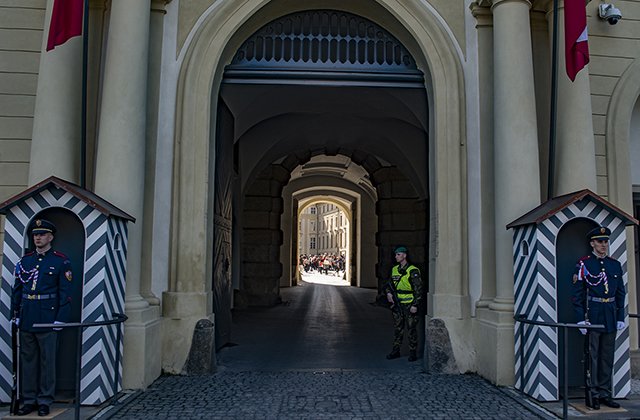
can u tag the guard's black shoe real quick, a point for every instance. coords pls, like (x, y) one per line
(26, 409)
(412, 356)
(43, 410)
(609, 402)
(393, 355)
(595, 405)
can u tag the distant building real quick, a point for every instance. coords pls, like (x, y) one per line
(324, 228)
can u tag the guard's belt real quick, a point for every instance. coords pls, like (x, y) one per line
(404, 292)
(602, 300)
(40, 297)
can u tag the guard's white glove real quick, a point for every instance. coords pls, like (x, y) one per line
(57, 322)
(16, 321)
(583, 331)
(620, 325)
(389, 297)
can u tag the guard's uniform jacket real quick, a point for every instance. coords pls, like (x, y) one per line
(41, 291)
(600, 281)
(407, 282)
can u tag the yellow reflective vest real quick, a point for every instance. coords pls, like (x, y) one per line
(401, 282)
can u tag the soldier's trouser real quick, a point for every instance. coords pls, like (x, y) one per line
(400, 319)
(38, 364)
(602, 347)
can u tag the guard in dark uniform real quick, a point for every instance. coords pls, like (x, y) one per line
(404, 293)
(41, 295)
(598, 298)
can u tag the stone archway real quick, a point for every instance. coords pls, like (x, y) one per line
(401, 212)
(189, 294)
(352, 186)
(322, 82)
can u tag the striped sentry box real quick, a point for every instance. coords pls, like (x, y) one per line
(534, 250)
(103, 290)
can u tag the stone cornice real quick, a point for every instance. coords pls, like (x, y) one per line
(159, 5)
(547, 5)
(494, 3)
(481, 10)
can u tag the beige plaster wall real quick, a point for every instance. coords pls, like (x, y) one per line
(613, 48)
(451, 11)
(21, 27)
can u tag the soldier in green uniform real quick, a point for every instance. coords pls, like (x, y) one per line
(404, 293)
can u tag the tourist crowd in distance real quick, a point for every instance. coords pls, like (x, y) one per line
(323, 263)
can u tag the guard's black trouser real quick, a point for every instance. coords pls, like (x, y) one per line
(38, 367)
(602, 347)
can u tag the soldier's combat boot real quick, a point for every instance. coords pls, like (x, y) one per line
(394, 354)
(412, 356)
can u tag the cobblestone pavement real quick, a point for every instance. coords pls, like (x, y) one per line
(319, 355)
(336, 394)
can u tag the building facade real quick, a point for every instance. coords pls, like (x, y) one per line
(323, 229)
(213, 122)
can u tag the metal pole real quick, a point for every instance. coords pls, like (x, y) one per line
(521, 370)
(85, 60)
(554, 101)
(118, 318)
(78, 372)
(565, 373)
(116, 369)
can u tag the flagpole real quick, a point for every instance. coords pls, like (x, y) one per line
(85, 61)
(554, 101)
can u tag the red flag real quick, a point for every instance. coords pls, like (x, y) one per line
(576, 48)
(66, 22)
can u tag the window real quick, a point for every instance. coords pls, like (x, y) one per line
(312, 243)
(117, 242)
(524, 248)
(313, 210)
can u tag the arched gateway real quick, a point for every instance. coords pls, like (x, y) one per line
(315, 83)
(310, 84)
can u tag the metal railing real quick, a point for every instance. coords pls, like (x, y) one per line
(80, 326)
(565, 341)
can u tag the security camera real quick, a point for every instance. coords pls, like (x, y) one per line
(610, 13)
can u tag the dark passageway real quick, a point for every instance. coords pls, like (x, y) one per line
(319, 327)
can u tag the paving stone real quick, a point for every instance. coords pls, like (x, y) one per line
(335, 395)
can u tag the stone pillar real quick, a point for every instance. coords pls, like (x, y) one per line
(542, 78)
(120, 172)
(517, 172)
(401, 222)
(517, 176)
(55, 143)
(484, 26)
(575, 159)
(97, 26)
(262, 237)
(153, 95)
